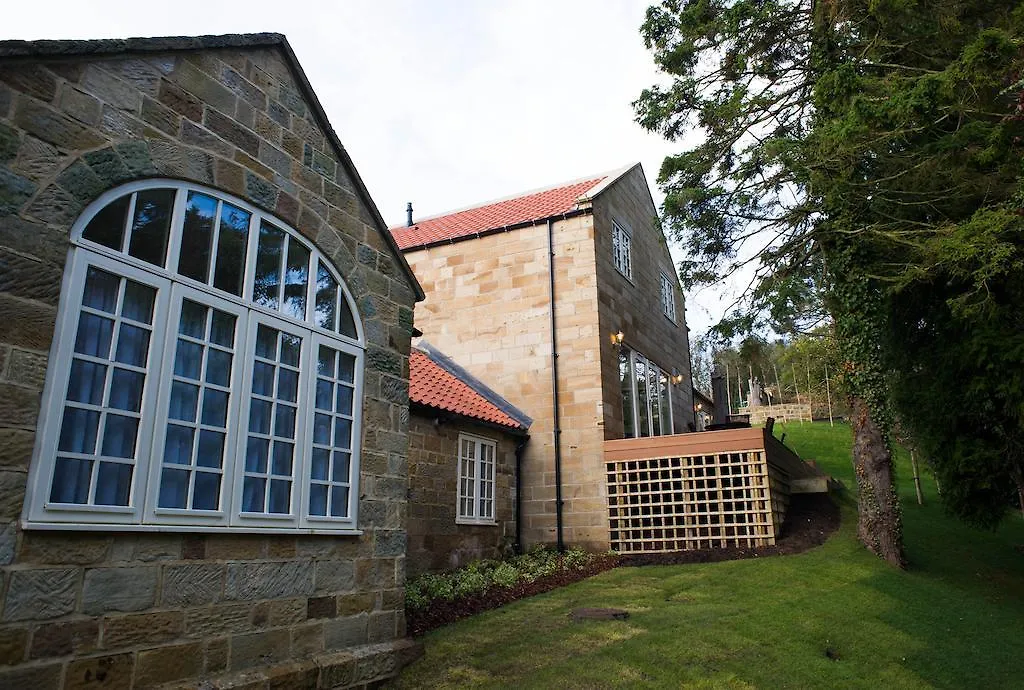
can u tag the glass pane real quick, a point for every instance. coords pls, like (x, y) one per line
(323, 394)
(178, 446)
(296, 278)
(320, 463)
(100, 290)
(138, 302)
(222, 330)
(653, 383)
(666, 408)
(132, 345)
(126, 390)
(206, 493)
(86, 382)
(71, 479)
(173, 488)
(626, 387)
(256, 452)
(346, 367)
(326, 298)
(287, 385)
(78, 431)
(339, 472)
(284, 422)
(640, 374)
(325, 361)
(322, 429)
(318, 499)
(193, 320)
(218, 367)
(184, 400)
(231, 245)
(268, 266)
(252, 494)
(339, 501)
(197, 236)
(94, 336)
(344, 401)
(291, 349)
(263, 379)
(342, 433)
(107, 226)
(113, 484)
(282, 458)
(259, 417)
(280, 496)
(149, 229)
(266, 342)
(347, 325)
(215, 408)
(211, 449)
(188, 359)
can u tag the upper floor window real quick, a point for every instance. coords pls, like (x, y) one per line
(668, 298)
(206, 372)
(622, 252)
(646, 397)
(476, 479)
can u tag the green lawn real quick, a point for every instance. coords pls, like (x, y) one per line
(954, 620)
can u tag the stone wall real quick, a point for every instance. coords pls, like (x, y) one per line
(786, 412)
(436, 542)
(99, 609)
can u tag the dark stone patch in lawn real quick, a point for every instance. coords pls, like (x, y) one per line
(600, 614)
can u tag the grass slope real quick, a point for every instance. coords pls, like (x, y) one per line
(954, 620)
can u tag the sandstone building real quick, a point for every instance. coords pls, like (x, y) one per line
(564, 300)
(204, 354)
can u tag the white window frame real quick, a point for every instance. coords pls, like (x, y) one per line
(142, 512)
(658, 375)
(622, 250)
(668, 298)
(479, 442)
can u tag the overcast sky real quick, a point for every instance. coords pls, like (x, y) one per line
(443, 103)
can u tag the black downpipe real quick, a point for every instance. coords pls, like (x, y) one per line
(519, 494)
(554, 386)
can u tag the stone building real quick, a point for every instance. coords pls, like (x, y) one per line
(564, 300)
(204, 352)
(465, 444)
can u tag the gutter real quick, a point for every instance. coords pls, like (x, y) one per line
(557, 432)
(519, 494)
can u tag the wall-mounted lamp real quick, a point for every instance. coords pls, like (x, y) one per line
(676, 378)
(617, 338)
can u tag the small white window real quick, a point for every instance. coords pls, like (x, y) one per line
(206, 373)
(668, 298)
(622, 253)
(476, 480)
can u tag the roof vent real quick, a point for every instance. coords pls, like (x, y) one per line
(408, 215)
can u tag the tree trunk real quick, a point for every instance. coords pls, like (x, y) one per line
(879, 525)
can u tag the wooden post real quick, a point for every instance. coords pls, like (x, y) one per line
(917, 479)
(796, 389)
(828, 392)
(728, 393)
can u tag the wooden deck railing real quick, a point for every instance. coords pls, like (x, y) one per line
(712, 489)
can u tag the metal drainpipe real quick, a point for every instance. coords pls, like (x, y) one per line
(519, 494)
(557, 434)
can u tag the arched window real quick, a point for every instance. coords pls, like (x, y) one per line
(206, 372)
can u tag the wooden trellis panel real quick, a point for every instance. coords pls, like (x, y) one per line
(663, 500)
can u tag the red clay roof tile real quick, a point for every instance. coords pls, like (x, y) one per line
(435, 387)
(525, 208)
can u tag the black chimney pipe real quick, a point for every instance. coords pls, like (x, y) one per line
(408, 214)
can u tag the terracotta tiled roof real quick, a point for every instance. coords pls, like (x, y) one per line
(526, 208)
(433, 385)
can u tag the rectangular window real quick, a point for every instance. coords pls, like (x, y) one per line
(476, 480)
(622, 253)
(646, 396)
(668, 298)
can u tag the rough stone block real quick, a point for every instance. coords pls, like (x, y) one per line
(353, 604)
(248, 581)
(381, 626)
(195, 135)
(260, 191)
(82, 106)
(213, 621)
(215, 655)
(389, 542)
(13, 644)
(119, 124)
(33, 79)
(12, 489)
(165, 664)
(31, 279)
(307, 640)
(119, 589)
(136, 157)
(110, 89)
(321, 607)
(15, 191)
(40, 594)
(107, 166)
(113, 672)
(63, 548)
(180, 101)
(64, 638)
(10, 142)
(258, 649)
(16, 448)
(8, 542)
(229, 176)
(32, 677)
(334, 576)
(229, 130)
(55, 206)
(25, 324)
(341, 633)
(142, 629)
(206, 89)
(234, 547)
(160, 116)
(192, 585)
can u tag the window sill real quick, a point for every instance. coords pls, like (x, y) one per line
(32, 525)
(471, 521)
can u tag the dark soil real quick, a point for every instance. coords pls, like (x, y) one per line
(811, 519)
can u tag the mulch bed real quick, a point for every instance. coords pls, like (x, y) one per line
(811, 519)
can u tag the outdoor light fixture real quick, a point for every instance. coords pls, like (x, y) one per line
(676, 377)
(617, 338)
